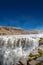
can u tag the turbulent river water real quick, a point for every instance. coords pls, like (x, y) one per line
(16, 47)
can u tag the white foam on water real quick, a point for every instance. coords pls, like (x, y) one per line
(14, 47)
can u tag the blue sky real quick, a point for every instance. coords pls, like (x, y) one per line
(26, 14)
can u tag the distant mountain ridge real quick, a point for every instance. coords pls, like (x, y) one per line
(5, 30)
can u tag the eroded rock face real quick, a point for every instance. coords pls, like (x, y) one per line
(15, 48)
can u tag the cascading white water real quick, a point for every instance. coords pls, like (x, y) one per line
(13, 48)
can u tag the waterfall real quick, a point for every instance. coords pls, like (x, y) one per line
(13, 48)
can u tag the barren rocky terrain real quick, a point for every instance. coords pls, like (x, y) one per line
(14, 30)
